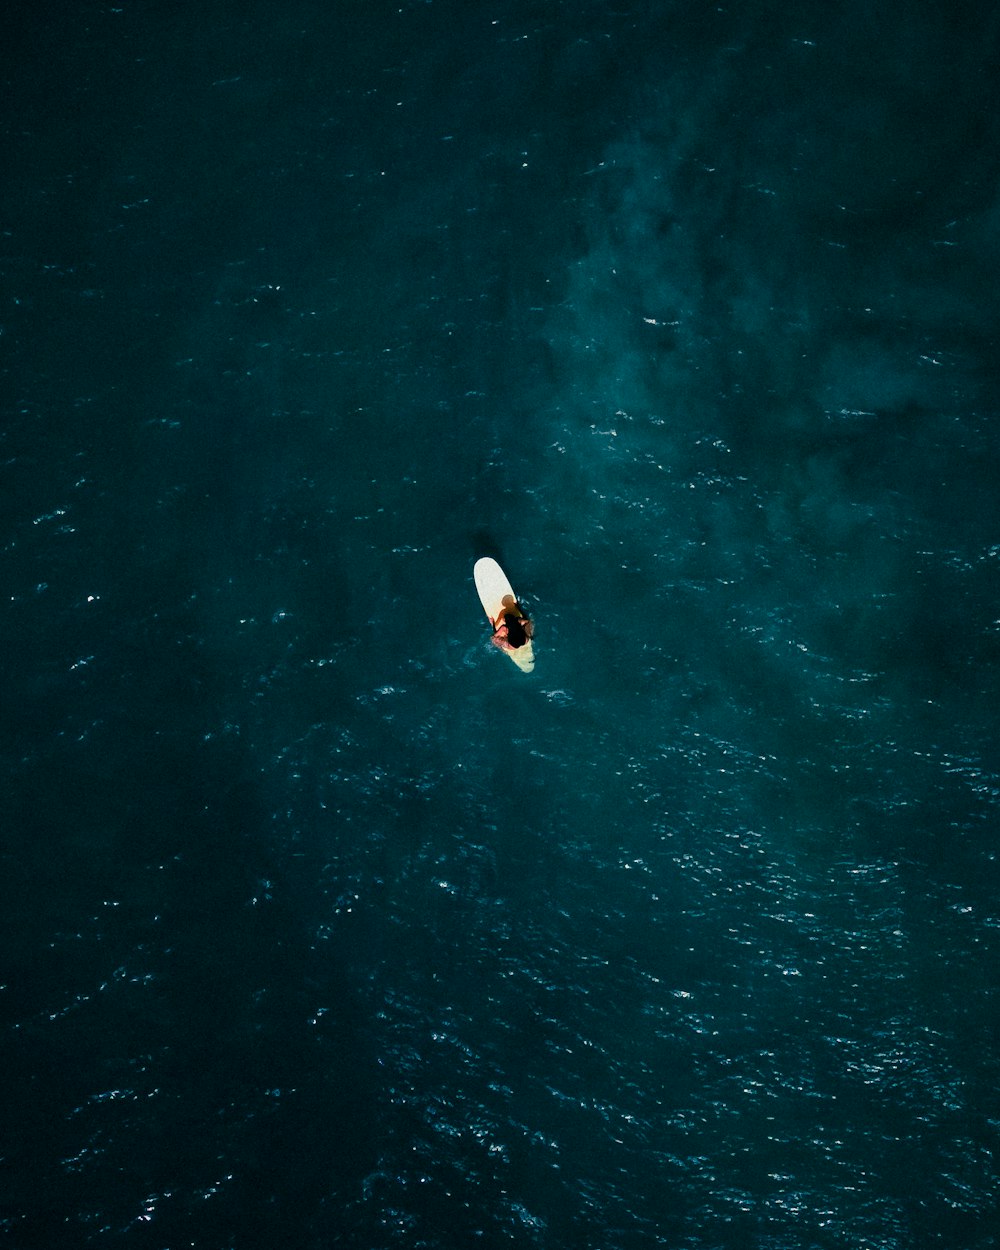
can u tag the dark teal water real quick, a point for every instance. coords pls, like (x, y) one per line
(323, 925)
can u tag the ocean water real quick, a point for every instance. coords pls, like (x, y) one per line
(323, 926)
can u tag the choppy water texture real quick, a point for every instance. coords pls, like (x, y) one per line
(323, 925)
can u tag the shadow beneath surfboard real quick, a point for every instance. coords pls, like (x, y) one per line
(482, 543)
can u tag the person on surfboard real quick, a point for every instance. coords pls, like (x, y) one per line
(511, 628)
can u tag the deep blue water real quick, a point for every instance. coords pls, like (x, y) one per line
(323, 926)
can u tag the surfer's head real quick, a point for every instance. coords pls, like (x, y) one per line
(515, 630)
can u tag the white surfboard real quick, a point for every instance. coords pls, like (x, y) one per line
(493, 587)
